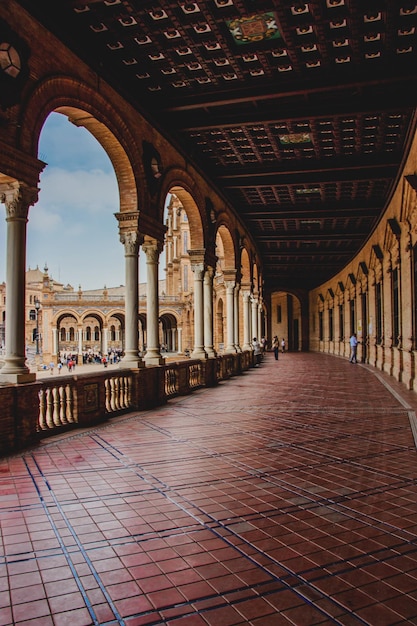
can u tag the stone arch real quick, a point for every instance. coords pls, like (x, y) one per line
(245, 267)
(226, 247)
(219, 326)
(87, 108)
(168, 328)
(181, 185)
(194, 218)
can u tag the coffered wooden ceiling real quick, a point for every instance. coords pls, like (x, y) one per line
(299, 112)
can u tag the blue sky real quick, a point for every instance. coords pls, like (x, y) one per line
(72, 227)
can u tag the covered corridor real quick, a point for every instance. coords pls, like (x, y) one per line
(285, 496)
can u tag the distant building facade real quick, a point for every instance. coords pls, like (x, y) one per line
(92, 322)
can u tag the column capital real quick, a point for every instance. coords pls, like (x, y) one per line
(152, 248)
(209, 274)
(18, 197)
(131, 241)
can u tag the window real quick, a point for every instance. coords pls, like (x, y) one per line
(341, 323)
(395, 308)
(415, 297)
(378, 302)
(185, 278)
(185, 242)
(330, 324)
(32, 315)
(352, 316)
(279, 314)
(321, 325)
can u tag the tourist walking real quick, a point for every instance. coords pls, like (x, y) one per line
(353, 348)
(275, 347)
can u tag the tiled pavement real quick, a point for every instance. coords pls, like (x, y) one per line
(287, 495)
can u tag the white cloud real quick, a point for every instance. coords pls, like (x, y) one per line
(92, 191)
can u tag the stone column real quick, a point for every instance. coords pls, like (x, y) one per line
(198, 352)
(246, 321)
(18, 198)
(55, 342)
(130, 239)
(237, 319)
(259, 331)
(230, 316)
(105, 340)
(208, 312)
(152, 249)
(254, 328)
(80, 340)
(179, 347)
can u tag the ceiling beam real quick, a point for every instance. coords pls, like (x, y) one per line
(222, 99)
(312, 236)
(312, 175)
(313, 212)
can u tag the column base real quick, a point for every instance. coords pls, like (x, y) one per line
(154, 360)
(15, 378)
(131, 362)
(199, 354)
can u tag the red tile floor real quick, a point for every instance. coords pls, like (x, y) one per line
(287, 495)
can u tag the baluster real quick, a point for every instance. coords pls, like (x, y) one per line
(117, 393)
(42, 424)
(125, 392)
(108, 395)
(62, 417)
(112, 399)
(73, 404)
(49, 408)
(55, 409)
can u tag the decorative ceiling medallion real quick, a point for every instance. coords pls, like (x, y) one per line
(254, 28)
(302, 191)
(10, 62)
(295, 138)
(14, 55)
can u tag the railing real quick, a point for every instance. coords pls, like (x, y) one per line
(118, 393)
(85, 298)
(57, 406)
(32, 411)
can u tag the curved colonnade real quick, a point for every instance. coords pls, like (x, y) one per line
(147, 169)
(375, 295)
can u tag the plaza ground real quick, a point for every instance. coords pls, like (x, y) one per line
(287, 495)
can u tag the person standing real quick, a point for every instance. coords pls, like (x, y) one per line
(353, 348)
(257, 351)
(283, 345)
(275, 347)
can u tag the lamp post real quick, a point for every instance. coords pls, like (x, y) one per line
(37, 307)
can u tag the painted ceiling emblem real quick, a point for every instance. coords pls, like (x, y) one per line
(294, 138)
(254, 28)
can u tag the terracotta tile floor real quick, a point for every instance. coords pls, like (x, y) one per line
(287, 495)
